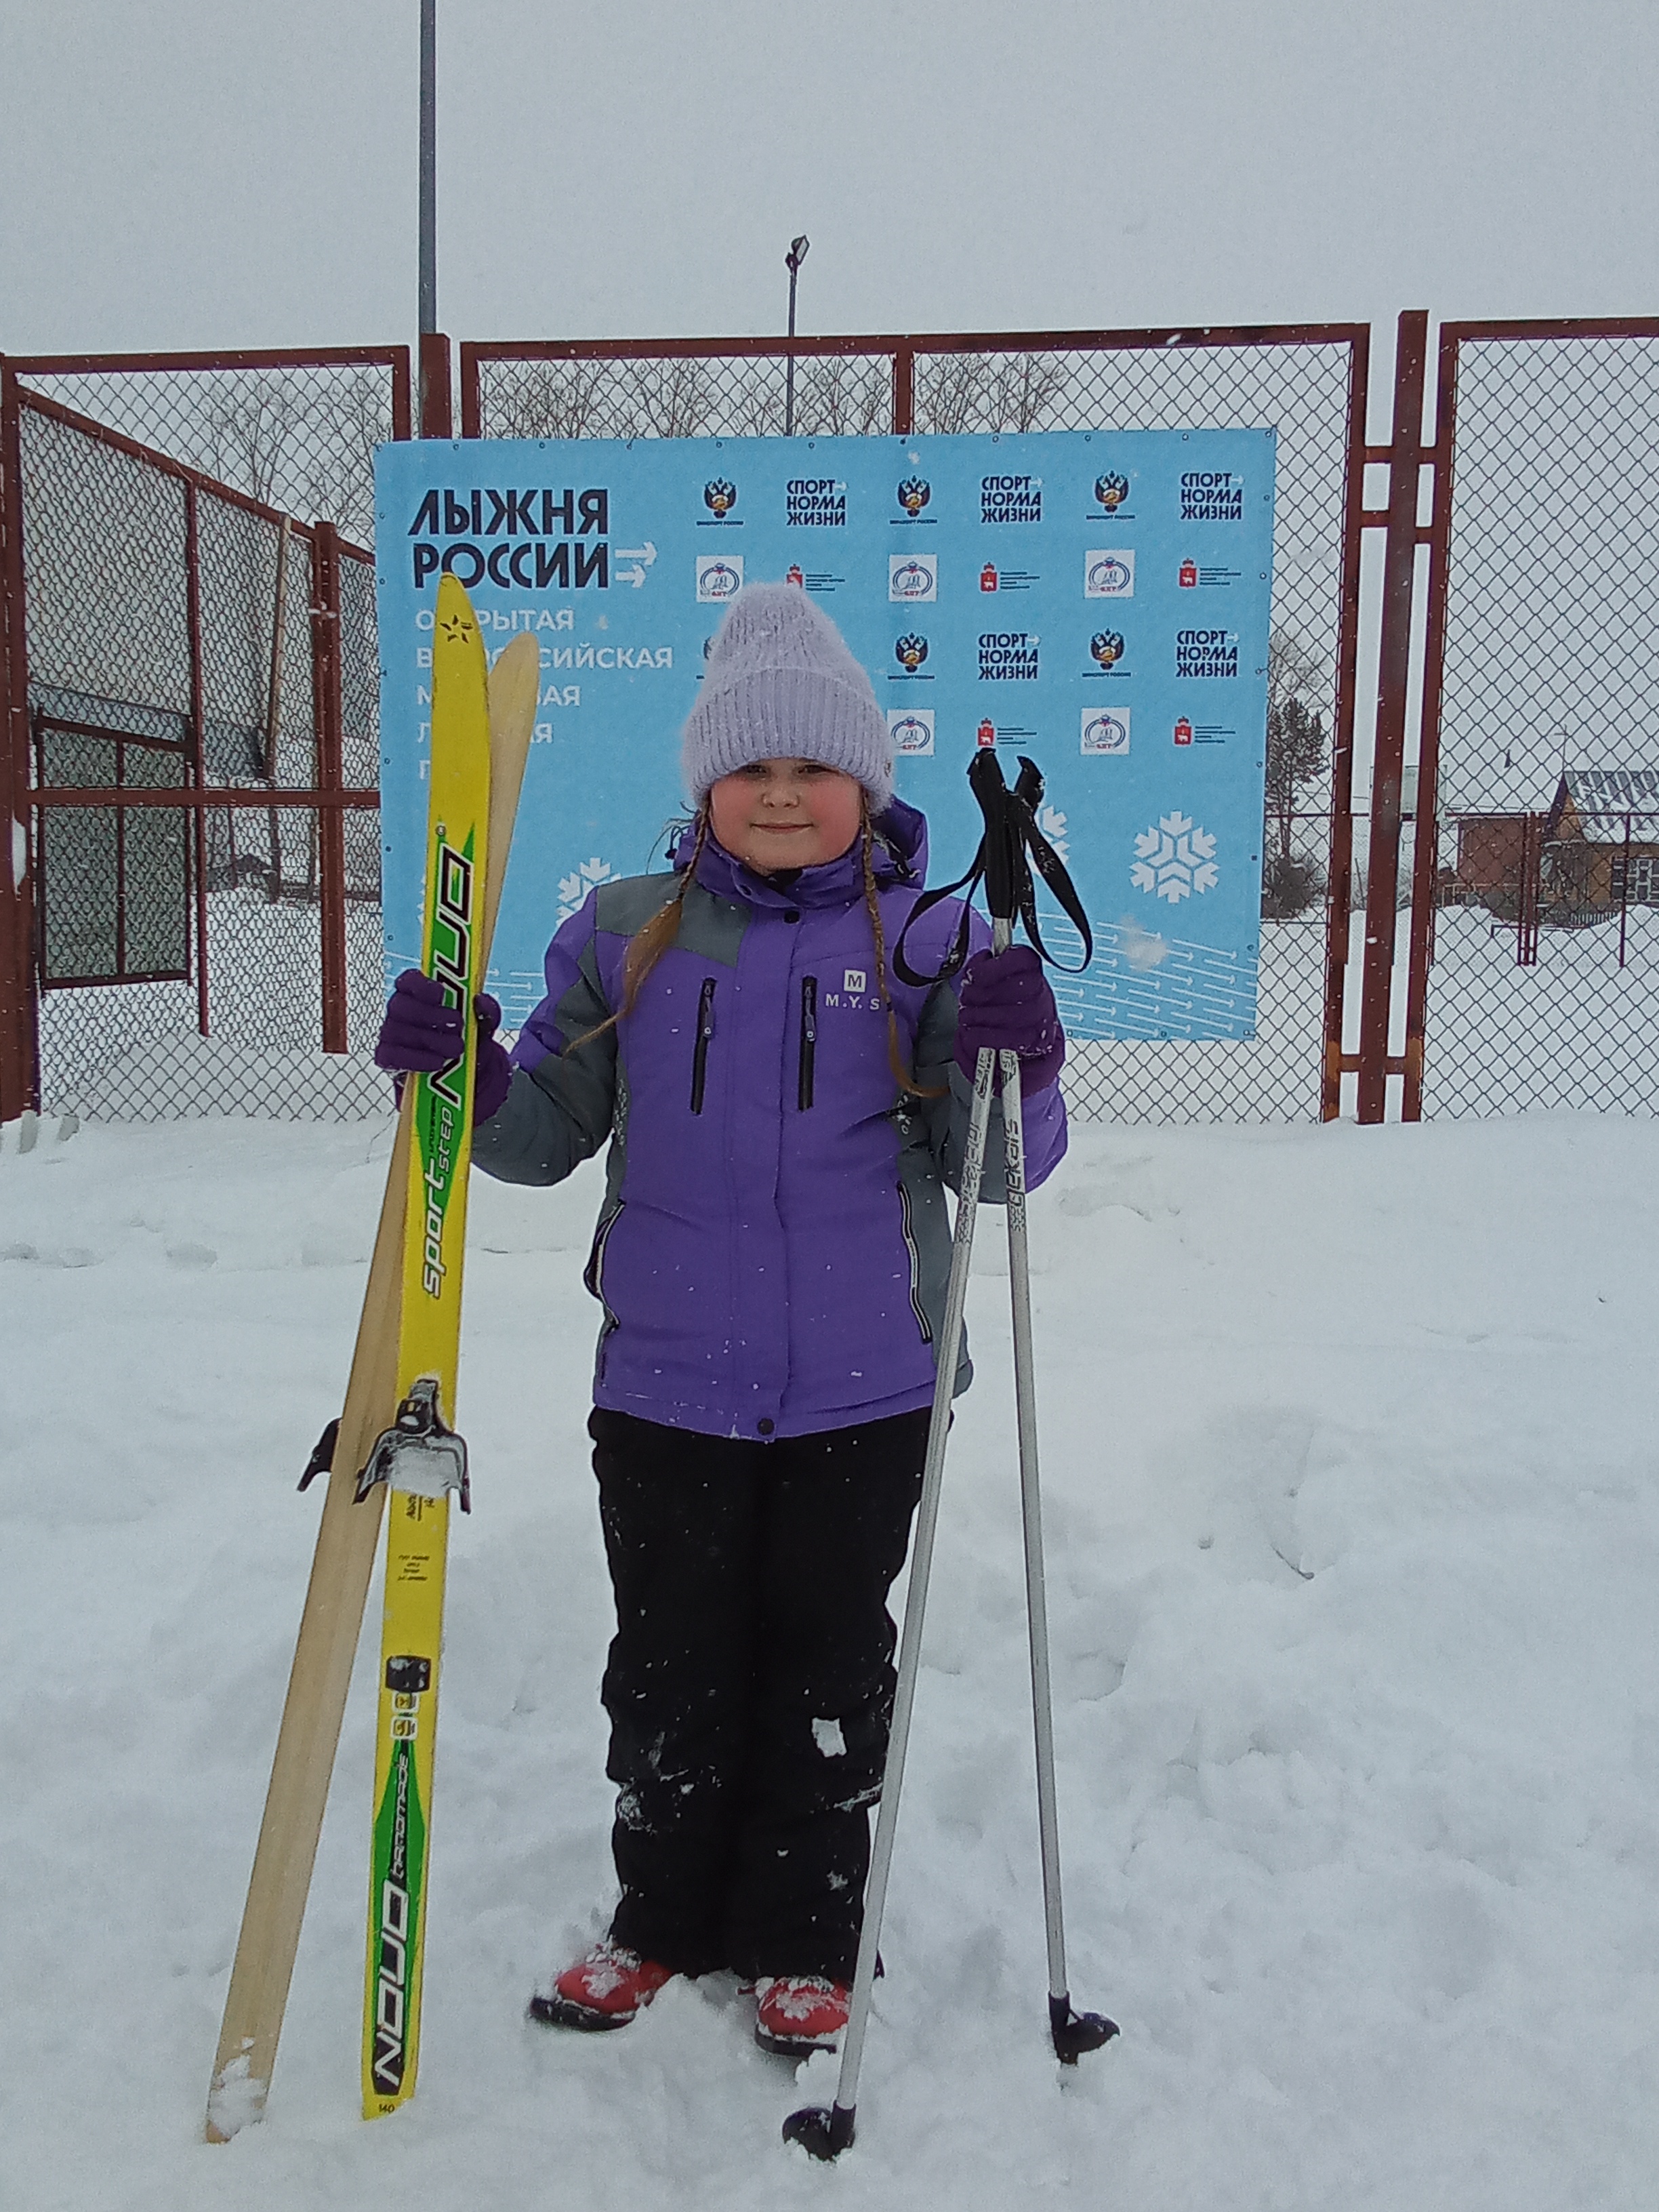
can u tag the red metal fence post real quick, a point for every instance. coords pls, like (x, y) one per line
(1529, 895)
(20, 1059)
(330, 716)
(197, 743)
(1426, 870)
(437, 420)
(904, 391)
(1389, 751)
(1337, 910)
(471, 411)
(399, 365)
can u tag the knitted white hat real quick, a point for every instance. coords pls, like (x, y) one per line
(780, 684)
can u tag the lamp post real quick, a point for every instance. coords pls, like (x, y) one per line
(792, 262)
(428, 216)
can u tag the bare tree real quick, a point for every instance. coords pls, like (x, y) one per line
(301, 440)
(674, 398)
(1291, 882)
(349, 417)
(250, 433)
(987, 391)
(559, 399)
(837, 396)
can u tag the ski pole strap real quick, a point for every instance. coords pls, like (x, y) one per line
(1009, 844)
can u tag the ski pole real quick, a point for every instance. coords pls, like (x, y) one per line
(1010, 826)
(826, 2131)
(1073, 2033)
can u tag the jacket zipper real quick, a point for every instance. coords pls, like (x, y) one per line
(705, 1031)
(809, 1038)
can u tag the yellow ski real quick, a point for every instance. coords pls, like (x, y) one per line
(420, 1459)
(347, 1543)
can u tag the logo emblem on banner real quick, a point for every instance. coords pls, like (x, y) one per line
(913, 576)
(1183, 731)
(719, 497)
(1106, 646)
(1188, 577)
(719, 578)
(1176, 860)
(912, 731)
(914, 495)
(1211, 495)
(1010, 499)
(814, 499)
(1207, 653)
(910, 652)
(1111, 491)
(1109, 575)
(1008, 656)
(1105, 733)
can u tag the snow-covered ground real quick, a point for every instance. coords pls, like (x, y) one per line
(1350, 1487)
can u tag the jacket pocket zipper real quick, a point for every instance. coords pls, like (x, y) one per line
(705, 1031)
(915, 1251)
(809, 1039)
(593, 1279)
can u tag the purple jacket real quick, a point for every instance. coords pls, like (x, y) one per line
(773, 1249)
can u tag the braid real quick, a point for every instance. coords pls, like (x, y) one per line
(906, 1080)
(646, 946)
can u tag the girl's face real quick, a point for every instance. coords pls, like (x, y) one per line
(786, 814)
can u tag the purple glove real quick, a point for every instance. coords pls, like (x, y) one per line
(422, 1035)
(1005, 1003)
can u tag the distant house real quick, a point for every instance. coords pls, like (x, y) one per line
(1579, 846)
(1490, 848)
(1599, 817)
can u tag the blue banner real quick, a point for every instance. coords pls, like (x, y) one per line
(1096, 600)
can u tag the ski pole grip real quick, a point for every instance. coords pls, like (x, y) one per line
(1001, 850)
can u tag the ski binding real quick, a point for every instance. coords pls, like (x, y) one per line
(419, 1453)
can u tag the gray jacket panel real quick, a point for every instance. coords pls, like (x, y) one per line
(558, 1116)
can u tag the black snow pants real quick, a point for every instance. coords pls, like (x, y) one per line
(750, 1684)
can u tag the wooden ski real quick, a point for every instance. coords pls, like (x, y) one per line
(420, 1459)
(346, 1543)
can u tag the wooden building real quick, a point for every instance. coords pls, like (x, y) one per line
(1601, 841)
(1596, 849)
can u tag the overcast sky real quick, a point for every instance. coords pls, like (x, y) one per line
(202, 173)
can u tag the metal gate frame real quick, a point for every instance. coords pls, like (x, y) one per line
(1439, 534)
(19, 1069)
(903, 351)
(1416, 522)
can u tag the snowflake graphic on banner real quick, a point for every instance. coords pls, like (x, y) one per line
(1052, 822)
(574, 887)
(1175, 860)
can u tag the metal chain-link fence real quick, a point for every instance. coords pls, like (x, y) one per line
(189, 951)
(1309, 388)
(1545, 934)
(295, 432)
(172, 635)
(661, 395)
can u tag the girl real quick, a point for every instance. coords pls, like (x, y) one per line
(783, 1116)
